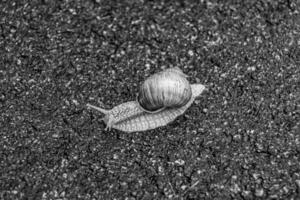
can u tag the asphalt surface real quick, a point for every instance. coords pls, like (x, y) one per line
(239, 140)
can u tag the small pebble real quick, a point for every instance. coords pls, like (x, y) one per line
(191, 53)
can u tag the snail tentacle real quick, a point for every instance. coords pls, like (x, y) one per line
(102, 110)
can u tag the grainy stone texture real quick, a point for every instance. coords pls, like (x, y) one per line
(240, 140)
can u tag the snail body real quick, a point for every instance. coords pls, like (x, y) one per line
(154, 107)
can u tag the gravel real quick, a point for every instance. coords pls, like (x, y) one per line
(239, 140)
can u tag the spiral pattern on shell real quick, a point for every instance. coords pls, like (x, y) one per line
(166, 89)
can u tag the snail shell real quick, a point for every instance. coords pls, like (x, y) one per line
(165, 89)
(131, 116)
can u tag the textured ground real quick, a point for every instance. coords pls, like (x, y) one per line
(240, 140)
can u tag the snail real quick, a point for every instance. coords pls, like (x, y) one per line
(160, 100)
